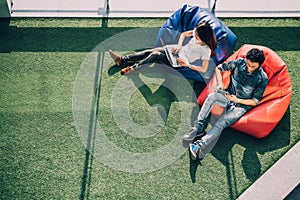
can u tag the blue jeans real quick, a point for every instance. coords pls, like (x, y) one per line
(228, 117)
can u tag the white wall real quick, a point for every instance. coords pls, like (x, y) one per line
(153, 8)
(149, 8)
(258, 8)
(59, 8)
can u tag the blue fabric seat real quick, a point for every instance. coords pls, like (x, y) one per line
(186, 18)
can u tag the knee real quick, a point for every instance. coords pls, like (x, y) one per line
(155, 54)
(218, 127)
(222, 124)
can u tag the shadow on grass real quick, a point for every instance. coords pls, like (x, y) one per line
(194, 163)
(44, 39)
(4, 26)
(193, 167)
(72, 39)
(88, 162)
(163, 96)
(276, 38)
(278, 138)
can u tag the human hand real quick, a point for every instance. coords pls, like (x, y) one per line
(182, 62)
(176, 50)
(232, 98)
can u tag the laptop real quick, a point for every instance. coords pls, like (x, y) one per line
(170, 55)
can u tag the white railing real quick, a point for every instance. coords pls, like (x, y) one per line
(152, 8)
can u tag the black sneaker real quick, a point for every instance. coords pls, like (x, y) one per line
(191, 134)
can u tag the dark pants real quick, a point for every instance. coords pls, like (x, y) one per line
(149, 56)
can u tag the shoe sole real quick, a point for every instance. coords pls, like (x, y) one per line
(128, 72)
(193, 154)
(193, 139)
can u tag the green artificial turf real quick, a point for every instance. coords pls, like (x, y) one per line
(42, 153)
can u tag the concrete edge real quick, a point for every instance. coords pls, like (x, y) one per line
(279, 181)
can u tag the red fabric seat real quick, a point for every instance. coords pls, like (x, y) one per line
(260, 120)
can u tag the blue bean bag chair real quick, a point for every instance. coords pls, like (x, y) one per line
(186, 18)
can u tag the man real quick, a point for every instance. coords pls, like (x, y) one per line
(248, 82)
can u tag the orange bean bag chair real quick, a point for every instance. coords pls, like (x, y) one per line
(260, 120)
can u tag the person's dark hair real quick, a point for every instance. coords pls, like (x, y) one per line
(256, 55)
(206, 34)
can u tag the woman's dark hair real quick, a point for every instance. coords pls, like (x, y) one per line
(256, 55)
(206, 34)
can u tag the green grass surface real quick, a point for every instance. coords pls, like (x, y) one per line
(42, 156)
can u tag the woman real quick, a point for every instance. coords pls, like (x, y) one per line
(200, 47)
